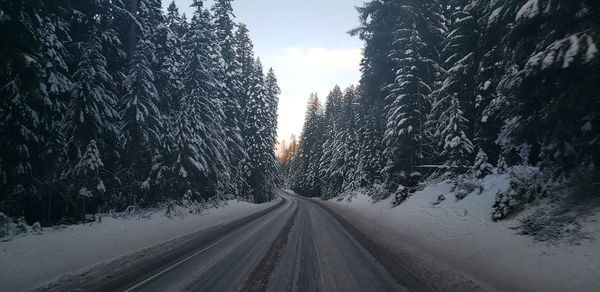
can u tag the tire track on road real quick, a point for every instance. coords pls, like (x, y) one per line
(260, 277)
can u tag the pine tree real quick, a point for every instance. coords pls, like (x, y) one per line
(273, 92)
(202, 158)
(259, 167)
(349, 147)
(549, 105)
(232, 89)
(167, 58)
(176, 22)
(55, 36)
(305, 170)
(169, 76)
(457, 146)
(142, 121)
(91, 126)
(453, 109)
(331, 162)
(96, 115)
(376, 30)
(98, 64)
(245, 55)
(288, 155)
(223, 12)
(109, 15)
(370, 140)
(29, 78)
(514, 79)
(482, 167)
(406, 140)
(494, 18)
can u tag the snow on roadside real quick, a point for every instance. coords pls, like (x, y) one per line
(461, 234)
(30, 260)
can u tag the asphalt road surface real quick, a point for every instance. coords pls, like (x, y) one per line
(297, 245)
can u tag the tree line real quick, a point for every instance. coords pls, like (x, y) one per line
(115, 103)
(459, 86)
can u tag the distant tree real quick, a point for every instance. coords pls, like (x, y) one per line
(331, 162)
(305, 169)
(175, 21)
(287, 155)
(273, 92)
(349, 147)
(288, 150)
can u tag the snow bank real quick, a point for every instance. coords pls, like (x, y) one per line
(461, 235)
(28, 261)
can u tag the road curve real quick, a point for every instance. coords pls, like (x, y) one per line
(298, 246)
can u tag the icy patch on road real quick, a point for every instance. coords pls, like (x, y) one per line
(462, 235)
(30, 260)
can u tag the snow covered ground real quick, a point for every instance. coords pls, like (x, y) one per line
(459, 238)
(30, 260)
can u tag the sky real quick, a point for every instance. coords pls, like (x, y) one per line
(306, 43)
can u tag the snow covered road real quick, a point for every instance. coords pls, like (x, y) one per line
(296, 245)
(321, 255)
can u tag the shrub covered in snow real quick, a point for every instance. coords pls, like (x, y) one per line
(4, 225)
(573, 202)
(402, 193)
(37, 228)
(439, 199)
(465, 185)
(482, 167)
(378, 192)
(187, 205)
(501, 166)
(524, 189)
(10, 228)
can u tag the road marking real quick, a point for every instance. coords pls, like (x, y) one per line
(184, 260)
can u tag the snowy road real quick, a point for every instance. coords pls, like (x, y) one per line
(298, 246)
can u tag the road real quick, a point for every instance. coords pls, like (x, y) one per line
(297, 246)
